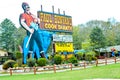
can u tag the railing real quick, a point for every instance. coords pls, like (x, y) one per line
(107, 61)
(55, 68)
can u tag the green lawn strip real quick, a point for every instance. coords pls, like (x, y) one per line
(108, 71)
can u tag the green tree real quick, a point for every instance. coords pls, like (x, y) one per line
(85, 29)
(110, 29)
(76, 37)
(86, 45)
(117, 33)
(97, 38)
(117, 39)
(7, 39)
(19, 37)
(109, 32)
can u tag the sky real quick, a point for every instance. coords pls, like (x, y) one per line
(81, 11)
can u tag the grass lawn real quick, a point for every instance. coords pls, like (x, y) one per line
(108, 71)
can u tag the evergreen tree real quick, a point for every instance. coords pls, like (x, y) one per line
(97, 38)
(7, 38)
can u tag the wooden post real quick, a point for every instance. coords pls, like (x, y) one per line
(11, 71)
(71, 66)
(34, 70)
(105, 61)
(115, 59)
(84, 65)
(41, 8)
(54, 68)
(96, 62)
(53, 9)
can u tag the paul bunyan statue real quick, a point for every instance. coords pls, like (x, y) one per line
(37, 41)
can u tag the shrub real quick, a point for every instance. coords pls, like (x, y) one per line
(69, 56)
(19, 61)
(31, 62)
(80, 55)
(57, 59)
(5, 66)
(18, 55)
(8, 64)
(23, 65)
(63, 57)
(73, 60)
(41, 62)
(50, 57)
(15, 65)
(94, 58)
(88, 57)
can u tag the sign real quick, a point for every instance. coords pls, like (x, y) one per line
(55, 22)
(62, 38)
(64, 47)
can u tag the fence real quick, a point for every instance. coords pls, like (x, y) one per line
(107, 61)
(55, 68)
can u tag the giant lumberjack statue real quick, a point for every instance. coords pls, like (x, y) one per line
(36, 40)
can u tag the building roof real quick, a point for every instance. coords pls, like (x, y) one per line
(108, 49)
(3, 53)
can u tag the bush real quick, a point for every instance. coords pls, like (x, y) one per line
(63, 57)
(31, 62)
(57, 59)
(15, 65)
(80, 55)
(23, 65)
(41, 62)
(88, 57)
(5, 66)
(73, 60)
(18, 55)
(8, 64)
(94, 58)
(19, 61)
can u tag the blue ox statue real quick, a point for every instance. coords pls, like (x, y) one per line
(32, 46)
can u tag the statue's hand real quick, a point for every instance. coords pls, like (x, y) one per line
(31, 30)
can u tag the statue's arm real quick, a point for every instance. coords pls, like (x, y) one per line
(25, 26)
